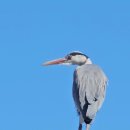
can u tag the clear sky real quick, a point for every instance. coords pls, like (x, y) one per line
(33, 97)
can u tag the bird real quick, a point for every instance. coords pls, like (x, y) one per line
(89, 86)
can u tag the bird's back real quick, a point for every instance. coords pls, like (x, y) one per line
(89, 88)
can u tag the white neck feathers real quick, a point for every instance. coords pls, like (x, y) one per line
(88, 61)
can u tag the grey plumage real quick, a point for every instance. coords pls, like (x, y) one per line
(89, 87)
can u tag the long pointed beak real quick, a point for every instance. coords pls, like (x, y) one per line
(55, 62)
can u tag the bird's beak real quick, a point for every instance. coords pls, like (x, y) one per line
(55, 62)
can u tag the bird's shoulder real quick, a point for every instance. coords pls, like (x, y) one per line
(89, 72)
(88, 69)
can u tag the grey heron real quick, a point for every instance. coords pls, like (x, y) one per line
(89, 86)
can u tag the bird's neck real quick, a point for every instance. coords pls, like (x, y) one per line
(88, 61)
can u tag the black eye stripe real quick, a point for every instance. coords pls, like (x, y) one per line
(78, 53)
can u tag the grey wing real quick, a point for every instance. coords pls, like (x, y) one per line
(89, 88)
(76, 92)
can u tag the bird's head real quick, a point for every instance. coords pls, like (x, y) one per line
(73, 58)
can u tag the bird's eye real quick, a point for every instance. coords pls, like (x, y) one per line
(68, 57)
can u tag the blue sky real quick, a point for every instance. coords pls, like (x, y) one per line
(33, 97)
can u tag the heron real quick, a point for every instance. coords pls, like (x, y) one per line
(89, 86)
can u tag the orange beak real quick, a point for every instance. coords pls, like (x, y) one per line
(55, 62)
